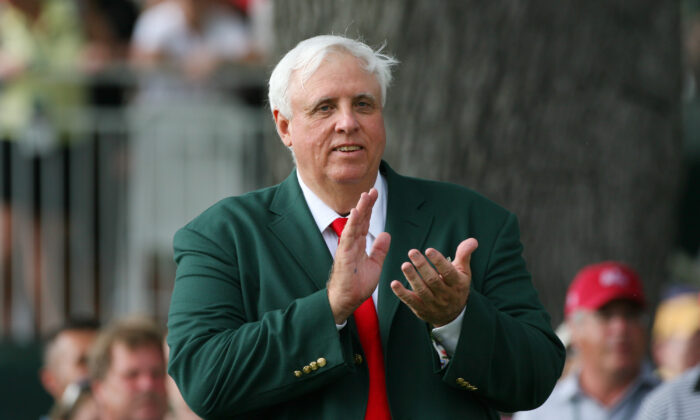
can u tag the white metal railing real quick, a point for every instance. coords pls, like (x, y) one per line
(100, 242)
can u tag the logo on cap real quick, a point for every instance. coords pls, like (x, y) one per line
(597, 284)
(613, 277)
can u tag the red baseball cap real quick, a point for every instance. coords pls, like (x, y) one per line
(598, 284)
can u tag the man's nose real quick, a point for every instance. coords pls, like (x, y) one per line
(621, 322)
(148, 381)
(347, 121)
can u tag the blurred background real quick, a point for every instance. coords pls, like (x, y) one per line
(121, 120)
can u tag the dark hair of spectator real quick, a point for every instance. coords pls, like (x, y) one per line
(133, 332)
(71, 324)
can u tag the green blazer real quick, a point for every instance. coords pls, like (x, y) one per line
(249, 311)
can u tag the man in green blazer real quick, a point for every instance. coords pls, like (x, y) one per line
(265, 315)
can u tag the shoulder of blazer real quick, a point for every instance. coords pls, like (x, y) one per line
(256, 207)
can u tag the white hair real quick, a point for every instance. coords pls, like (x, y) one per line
(308, 55)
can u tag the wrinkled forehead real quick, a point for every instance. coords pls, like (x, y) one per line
(130, 347)
(124, 358)
(300, 76)
(619, 308)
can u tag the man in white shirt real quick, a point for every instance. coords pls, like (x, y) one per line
(350, 291)
(604, 312)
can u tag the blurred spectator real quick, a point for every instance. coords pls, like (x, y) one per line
(108, 25)
(191, 117)
(678, 399)
(181, 44)
(77, 404)
(40, 43)
(179, 410)
(604, 308)
(676, 335)
(259, 14)
(40, 96)
(65, 356)
(127, 369)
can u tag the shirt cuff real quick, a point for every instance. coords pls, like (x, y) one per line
(448, 335)
(341, 326)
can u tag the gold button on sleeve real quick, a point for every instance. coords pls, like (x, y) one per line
(321, 361)
(466, 385)
(358, 358)
(314, 365)
(297, 373)
(306, 369)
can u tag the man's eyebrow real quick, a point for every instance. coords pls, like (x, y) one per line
(318, 102)
(365, 96)
(331, 99)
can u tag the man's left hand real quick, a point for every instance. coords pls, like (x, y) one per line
(439, 293)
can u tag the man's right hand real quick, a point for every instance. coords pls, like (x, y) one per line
(355, 274)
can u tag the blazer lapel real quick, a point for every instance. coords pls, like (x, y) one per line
(408, 222)
(295, 228)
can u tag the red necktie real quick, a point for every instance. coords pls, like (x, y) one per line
(368, 329)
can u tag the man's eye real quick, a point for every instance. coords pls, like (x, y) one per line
(365, 105)
(130, 375)
(324, 108)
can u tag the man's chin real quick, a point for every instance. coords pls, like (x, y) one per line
(149, 412)
(355, 174)
(625, 366)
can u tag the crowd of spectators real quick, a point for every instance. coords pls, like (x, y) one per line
(114, 372)
(119, 370)
(57, 56)
(611, 373)
(80, 73)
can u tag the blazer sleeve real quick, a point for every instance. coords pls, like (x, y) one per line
(226, 363)
(507, 353)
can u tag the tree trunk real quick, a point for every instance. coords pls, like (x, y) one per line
(567, 113)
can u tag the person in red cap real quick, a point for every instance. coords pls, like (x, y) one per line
(604, 312)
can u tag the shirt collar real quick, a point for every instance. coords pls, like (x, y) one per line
(324, 215)
(570, 387)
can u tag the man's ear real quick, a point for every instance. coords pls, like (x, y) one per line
(573, 324)
(282, 125)
(48, 380)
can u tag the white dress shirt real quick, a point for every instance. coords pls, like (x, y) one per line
(447, 335)
(569, 401)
